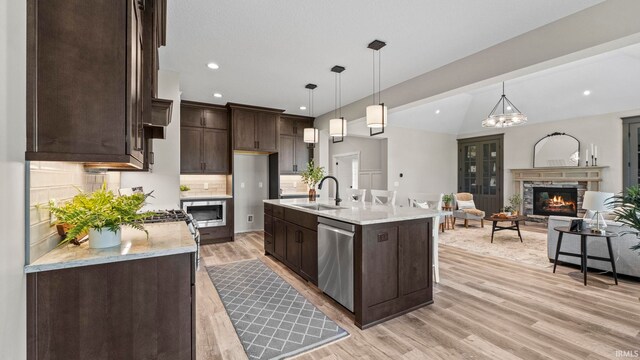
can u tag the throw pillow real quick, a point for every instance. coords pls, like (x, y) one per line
(422, 205)
(466, 204)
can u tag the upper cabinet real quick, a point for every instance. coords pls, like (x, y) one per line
(91, 79)
(254, 129)
(294, 153)
(204, 139)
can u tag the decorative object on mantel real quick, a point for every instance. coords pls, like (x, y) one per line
(626, 207)
(376, 113)
(510, 115)
(102, 213)
(338, 125)
(557, 149)
(596, 202)
(594, 156)
(310, 135)
(312, 176)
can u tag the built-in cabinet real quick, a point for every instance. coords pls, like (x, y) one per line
(137, 309)
(480, 171)
(255, 129)
(291, 236)
(90, 79)
(294, 153)
(204, 139)
(631, 151)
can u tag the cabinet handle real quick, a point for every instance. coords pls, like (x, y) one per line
(258, 144)
(152, 160)
(204, 166)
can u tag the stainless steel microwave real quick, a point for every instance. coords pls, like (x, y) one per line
(207, 213)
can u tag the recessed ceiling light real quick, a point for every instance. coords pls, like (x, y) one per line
(586, 92)
(438, 111)
(213, 66)
(218, 95)
(303, 108)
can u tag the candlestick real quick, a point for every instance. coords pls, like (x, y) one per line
(595, 151)
(587, 158)
(593, 163)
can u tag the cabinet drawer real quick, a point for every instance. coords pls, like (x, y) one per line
(301, 218)
(268, 224)
(214, 232)
(268, 209)
(278, 211)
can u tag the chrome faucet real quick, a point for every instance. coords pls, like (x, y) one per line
(338, 200)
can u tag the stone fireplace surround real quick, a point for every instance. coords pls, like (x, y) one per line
(579, 177)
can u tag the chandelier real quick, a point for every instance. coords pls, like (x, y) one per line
(510, 115)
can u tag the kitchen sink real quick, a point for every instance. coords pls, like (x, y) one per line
(318, 207)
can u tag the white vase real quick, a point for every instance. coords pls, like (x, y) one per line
(104, 238)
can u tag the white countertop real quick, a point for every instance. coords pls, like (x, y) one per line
(359, 213)
(164, 239)
(204, 197)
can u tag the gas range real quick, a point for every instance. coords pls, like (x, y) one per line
(165, 216)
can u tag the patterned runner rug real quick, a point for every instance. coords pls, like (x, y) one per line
(272, 319)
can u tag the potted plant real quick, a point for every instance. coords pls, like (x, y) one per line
(515, 200)
(312, 176)
(447, 199)
(102, 214)
(627, 210)
(184, 188)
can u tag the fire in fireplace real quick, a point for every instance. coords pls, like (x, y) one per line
(555, 201)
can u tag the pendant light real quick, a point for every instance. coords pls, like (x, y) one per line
(338, 125)
(376, 113)
(310, 134)
(510, 115)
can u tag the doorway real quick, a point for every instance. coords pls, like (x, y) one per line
(346, 168)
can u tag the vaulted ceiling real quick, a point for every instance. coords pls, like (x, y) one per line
(268, 50)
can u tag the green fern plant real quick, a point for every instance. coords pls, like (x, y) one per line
(99, 210)
(627, 210)
(312, 174)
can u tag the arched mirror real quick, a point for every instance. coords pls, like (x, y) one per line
(556, 150)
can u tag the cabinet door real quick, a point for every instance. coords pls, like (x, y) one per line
(294, 237)
(190, 150)
(286, 154)
(267, 131)
(190, 116)
(136, 75)
(215, 151)
(480, 162)
(309, 254)
(244, 129)
(414, 249)
(380, 264)
(216, 119)
(286, 126)
(302, 154)
(268, 234)
(279, 238)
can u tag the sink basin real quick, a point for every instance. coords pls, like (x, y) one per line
(318, 207)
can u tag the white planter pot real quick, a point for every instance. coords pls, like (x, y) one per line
(104, 238)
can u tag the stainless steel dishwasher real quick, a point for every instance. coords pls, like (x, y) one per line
(335, 260)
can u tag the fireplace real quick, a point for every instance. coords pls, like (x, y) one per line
(549, 201)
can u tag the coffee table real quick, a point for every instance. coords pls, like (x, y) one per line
(583, 249)
(515, 224)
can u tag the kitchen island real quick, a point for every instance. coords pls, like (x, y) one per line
(133, 301)
(392, 251)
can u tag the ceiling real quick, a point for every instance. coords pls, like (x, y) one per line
(612, 78)
(268, 50)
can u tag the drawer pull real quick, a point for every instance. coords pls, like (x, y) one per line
(383, 237)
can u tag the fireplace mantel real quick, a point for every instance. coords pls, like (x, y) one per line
(592, 175)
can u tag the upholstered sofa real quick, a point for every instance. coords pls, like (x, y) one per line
(627, 261)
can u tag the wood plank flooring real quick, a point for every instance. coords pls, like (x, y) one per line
(485, 308)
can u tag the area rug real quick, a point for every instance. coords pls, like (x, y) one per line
(506, 244)
(272, 319)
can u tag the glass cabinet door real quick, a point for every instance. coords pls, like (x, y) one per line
(480, 171)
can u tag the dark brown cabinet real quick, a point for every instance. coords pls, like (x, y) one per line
(112, 314)
(254, 128)
(294, 153)
(293, 239)
(204, 139)
(86, 81)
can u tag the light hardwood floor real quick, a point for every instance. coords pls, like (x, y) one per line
(485, 308)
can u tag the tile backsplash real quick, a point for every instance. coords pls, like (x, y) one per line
(292, 184)
(59, 181)
(216, 185)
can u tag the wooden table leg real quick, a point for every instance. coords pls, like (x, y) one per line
(613, 260)
(493, 230)
(555, 261)
(583, 252)
(518, 228)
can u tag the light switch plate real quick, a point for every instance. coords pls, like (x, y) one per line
(206, 186)
(260, 184)
(242, 185)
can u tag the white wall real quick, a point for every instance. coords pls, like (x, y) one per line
(12, 190)
(165, 176)
(250, 170)
(602, 130)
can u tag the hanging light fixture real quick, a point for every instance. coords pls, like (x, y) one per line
(310, 134)
(338, 125)
(510, 115)
(376, 113)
